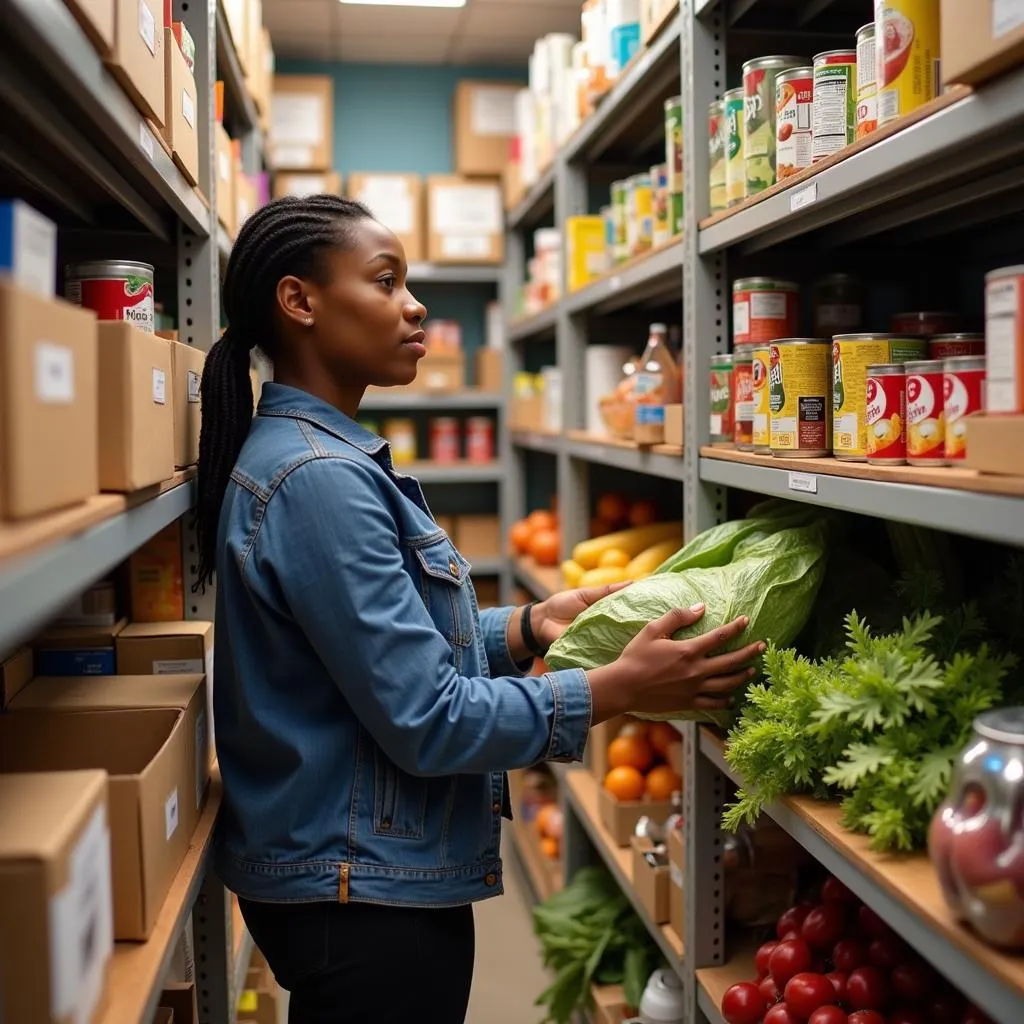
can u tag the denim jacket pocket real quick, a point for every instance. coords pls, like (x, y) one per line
(446, 590)
(399, 800)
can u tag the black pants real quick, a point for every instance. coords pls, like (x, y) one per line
(357, 963)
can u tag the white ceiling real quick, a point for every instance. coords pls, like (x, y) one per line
(482, 32)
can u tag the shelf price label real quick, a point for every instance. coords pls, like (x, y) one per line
(803, 197)
(806, 483)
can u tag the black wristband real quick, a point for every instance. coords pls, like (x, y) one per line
(526, 628)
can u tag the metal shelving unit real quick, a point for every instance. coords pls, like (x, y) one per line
(442, 273)
(380, 401)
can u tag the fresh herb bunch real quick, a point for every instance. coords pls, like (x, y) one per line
(589, 934)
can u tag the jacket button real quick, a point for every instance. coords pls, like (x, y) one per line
(491, 880)
(453, 568)
(386, 824)
(496, 807)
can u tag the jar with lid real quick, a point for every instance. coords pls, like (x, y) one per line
(976, 838)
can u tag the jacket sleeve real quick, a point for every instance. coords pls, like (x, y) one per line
(330, 542)
(494, 631)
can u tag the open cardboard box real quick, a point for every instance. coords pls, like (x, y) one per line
(619, 817)
(610, 1004)
(676, 860)
(651, 883)
(995, 444)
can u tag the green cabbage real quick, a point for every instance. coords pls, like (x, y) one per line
(772, 570)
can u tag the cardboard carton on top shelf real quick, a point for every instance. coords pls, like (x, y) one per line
(56, 932)
(28, 248)
(181, 110)
(236, 13)
(307, 183)
(440, 371)
(187, 363)
(97, 20)
(619, 817)
(464, 220)
(302, 123)
(396, 200)
(137, 58)
(48, 391)
(484, 125)
(15, 674)
(980, 40)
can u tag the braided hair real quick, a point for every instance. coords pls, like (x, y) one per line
(286, 237)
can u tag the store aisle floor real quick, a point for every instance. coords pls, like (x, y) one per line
(509, 975)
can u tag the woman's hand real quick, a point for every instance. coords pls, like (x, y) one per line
(552, 617)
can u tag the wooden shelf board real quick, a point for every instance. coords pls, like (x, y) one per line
(621, 442)
(545, 873)
(547, 579)
(715, 981)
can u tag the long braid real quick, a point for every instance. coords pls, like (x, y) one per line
(286, 237)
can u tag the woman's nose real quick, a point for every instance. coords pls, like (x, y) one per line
(415, 311)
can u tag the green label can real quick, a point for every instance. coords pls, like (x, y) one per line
(834, 115)
(675, 214)
(674, 142)
(620, 242)
(716, 155)
(735, 172)
(759, 119)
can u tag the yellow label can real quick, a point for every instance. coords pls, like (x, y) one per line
(798, 397)
(762, 432)
(907, 55)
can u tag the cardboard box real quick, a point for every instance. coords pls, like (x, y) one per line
(97, 20)
(995, 444)
(246, 199)
(488, 592)
(137, 58)
(586, 251)
(136, 413)
(676, 862)
(464, 220)
(311, 184)
(156, 578)
(94, 606)
(674, 425)
(650, 883)
(56, 934)
(484, 126)
(49, 398)
(164, 1015)
(236, 13)
(150, 735)
(610, 1005)
(619, 817)
(181, 117)
(77, 650)
(980, 39)
(186, 373)
(440, 371)
(490, 369)
(224, 176)
(15, 674)
(654, 15)
(479, 536)
(396, 200)
(597, 744)
(28, 248)
(180, 998)
(302, 123)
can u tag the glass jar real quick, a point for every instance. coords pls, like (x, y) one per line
(976, 838)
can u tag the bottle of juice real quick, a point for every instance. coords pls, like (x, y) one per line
(658, 383)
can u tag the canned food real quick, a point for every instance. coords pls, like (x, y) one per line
(837, 305)
(722, 410)
(610, 231)
(852, 354)
(945, 346)
(659, 204)
(759, 118)
(925, 324)
(114, 290)
(886, 414)
(479, 439)
(716, 155)
(401, 435)
(674, 142)
(762, 426)
(963, 393)
(798, 380)
(735, 171)
(835, 102)
(639, 215)
(794, 91)
(867, 81)
(926, 421)
(1004, 333)
(763, 309)
(907, 55)
(444, 439)
(743, 397)
(620, 244)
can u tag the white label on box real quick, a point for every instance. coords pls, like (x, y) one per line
(34, 248)
(804, 197)
(803, 482)
(193, 379)
(82, 926)
(293, 156)
(306, 184)
(465, 247)
(492, 111)
(146, 141)
(171, 814)
(297, 119)
(177, 666)
(202, 756)
(390, 201)
(223, 166)
(188, 108)
(147, 26)
(159, 386)
(1007, 15)
(54, 373)
(465, 210)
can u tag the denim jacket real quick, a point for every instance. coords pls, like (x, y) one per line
(365, 709)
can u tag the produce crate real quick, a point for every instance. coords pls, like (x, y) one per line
(620, 816)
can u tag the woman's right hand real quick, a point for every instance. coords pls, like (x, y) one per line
(656, 674)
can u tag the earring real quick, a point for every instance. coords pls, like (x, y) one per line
(308, 321)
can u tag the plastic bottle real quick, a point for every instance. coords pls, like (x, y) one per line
(658, 383)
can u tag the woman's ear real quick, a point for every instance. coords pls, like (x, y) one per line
(294, 300)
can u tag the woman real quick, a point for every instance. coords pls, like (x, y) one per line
(365, 710)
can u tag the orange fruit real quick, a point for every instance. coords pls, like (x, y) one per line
(546, 546)
(542, 520)
(612, 508)
(643, 513)
(661, 736)
(550, 848)
(600, 527)
(624, 783)
(520, 535)
(633, 727)
(549, 821)
(662, 782)
(630, 752)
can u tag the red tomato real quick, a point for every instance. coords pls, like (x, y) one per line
(850, 954)
(906, 1016)
(838, 979)
(975, 1016)
(761, 958)
(867, 989)
(743, 1004)
(791, 920)
(806, 992)
(886, 952)
(789, 958)
(912, 981)
(824, 926)
(770, 991)
(828, 1015)
(871, 924)
(780, 1013)
(865, 1017)
(945, 1008)
(833, 891)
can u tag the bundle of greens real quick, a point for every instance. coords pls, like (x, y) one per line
(590, 935)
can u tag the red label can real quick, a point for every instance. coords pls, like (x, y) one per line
(743, 397)
(444, 439)
(764, 309)
(927, 323)
(926, 421)
(114, 290)
(886, 414)
(963, 392)
(945, 346)
(480, 439)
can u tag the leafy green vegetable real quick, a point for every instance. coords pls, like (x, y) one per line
(589, 934)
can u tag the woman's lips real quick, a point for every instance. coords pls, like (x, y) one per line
(415, 341)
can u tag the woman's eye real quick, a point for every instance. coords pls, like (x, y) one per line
(389, 281)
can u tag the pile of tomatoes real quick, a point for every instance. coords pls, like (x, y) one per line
(837, 962)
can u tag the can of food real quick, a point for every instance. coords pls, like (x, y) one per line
(716, 155)
(763, 309)
(907, 55)
(794, 92)
(945, 346)
(886, 413)
(479, 439)
(798, 384)
(674, 142)
(608, 216)
(659, 204)
(743, 397)
(1004, 334)
(762, 428)
(620, 243)
(867, 81)
(926, 421)
(721, 378)
(114, 290)
(963, 393)
(852, 354)
(759, 77)
(444, 439)
(925, 324)
(838, 305)
(401, 435)
(735, 172)
(639, 215)
(835, 102)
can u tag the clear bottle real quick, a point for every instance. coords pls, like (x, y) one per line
(658, 383)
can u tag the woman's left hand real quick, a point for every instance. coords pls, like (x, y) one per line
(552, 617)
